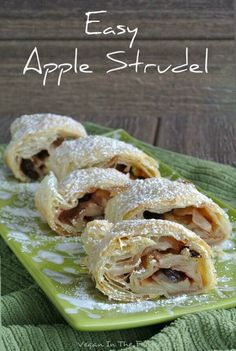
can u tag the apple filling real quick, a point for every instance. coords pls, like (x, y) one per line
(132, 171)
(199, 220)
(35, 167)
(167, 267)
(90, 207)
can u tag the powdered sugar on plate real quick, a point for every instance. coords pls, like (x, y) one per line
(58, 260)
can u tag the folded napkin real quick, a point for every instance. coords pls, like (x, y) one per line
(30, 321)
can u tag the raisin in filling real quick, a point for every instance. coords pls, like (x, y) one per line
(194, 253)
(42, 155)
(121, 168)
(152, 215)
(174, 275)
(34, 167)
(27, 168)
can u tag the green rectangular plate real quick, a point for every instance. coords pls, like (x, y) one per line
(54, 263)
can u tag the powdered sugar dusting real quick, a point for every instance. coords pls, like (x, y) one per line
(58, 260)
(97, 151)
(71, 248)
(50, 256)
(4, 195)
(58, 277)
(86, 298)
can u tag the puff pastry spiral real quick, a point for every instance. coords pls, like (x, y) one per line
(141, 260)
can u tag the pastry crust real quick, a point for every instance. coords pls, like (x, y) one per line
(68, 205)
(32, 134)
(142, 260)
(157, 197)
(100, 151)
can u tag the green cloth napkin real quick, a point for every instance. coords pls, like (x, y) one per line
(30, 322)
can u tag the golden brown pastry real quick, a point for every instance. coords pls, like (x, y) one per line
(177, 201)
(81, 197)
(33, 139)
(102, 152)
(142, 260)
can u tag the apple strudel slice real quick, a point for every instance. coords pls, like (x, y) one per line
(177, 201)
(142, 260)
(81, 197)
(33, 137)
(102, 152)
